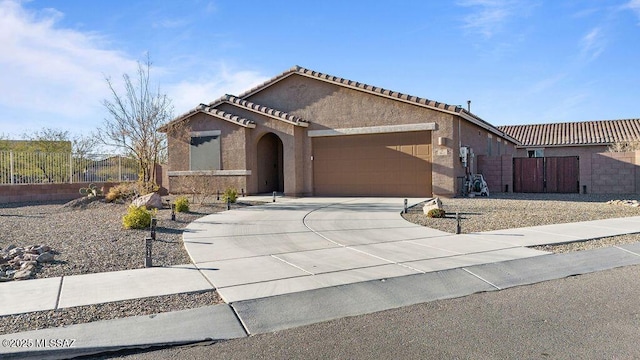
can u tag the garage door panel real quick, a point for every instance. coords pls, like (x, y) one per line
(396, 164)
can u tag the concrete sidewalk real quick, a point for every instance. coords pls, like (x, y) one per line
(314, 243)
(297, 245)
(222, 322)
(300, 261)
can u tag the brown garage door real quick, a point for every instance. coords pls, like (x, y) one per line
(391, 164)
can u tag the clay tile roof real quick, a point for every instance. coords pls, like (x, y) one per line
(213, 112)
(603, 132)
(454, 109)
(280, 115)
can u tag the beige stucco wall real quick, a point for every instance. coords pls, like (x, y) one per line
(232, 148)
(329, 106)
(477, 138)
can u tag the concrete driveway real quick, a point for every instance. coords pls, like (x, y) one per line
(296, 245)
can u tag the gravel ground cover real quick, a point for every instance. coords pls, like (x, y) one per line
(90, 240)
(506, 211)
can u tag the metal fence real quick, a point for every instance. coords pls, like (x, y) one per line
(60, 168)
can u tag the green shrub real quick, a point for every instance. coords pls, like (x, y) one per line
(182, 204)
(436, 213)
(121, 192)
(137, 218)
(230, 194)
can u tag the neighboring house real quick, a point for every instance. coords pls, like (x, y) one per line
(574, 157)
(309, 133)
(572, 138)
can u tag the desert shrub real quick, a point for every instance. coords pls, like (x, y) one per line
(137, 218)
(230, 194)
(121, 192)
(436, 213)
(148, 187)
(182, 204)
(91, 191)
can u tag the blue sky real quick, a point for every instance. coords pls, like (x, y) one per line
(518, 61)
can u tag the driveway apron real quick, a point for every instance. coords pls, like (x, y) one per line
(303, 244)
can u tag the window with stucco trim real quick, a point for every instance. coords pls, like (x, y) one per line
(204, 151)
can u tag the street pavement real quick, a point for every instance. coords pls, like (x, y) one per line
(591, 316)
(298, 262)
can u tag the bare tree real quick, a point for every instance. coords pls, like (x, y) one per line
(135, 116)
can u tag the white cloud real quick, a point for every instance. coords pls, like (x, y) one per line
(187, 95)
(49, 68)
(490, 16)
(51, 76)
(634, 5)
(592, 44)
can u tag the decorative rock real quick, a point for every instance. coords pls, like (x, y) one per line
(151, 201)
(45, 257)
(16, 252)
(28, 265)
(17, 263)
(23, 274)
(633, 203)
(432, 204)
(10, 273)
(43, 249)
(30, 257)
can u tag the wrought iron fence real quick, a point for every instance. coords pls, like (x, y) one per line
(58, 168)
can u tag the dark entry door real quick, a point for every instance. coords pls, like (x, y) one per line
(270, 164)
(550, 174)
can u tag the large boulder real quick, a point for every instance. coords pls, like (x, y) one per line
(434, 203)
(150, 201)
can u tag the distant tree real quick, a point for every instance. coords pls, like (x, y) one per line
(59, 141)
(624, 146)
(4, 142)
(46, 140)
(135, 116)
(54, 144)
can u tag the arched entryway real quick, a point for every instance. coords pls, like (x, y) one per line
(270, 164)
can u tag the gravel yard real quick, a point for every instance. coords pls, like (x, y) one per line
(506, 211)
(93, 240)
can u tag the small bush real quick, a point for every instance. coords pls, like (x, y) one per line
(436, 213)
(121, 192)
(137, 218)
(231, 194)
(147, 187)
(91, 191)
(182, 204)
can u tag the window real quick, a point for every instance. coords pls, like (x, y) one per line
(489, 145)
(204, 150)
(535, 153)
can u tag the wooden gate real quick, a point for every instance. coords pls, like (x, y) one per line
(551, 175)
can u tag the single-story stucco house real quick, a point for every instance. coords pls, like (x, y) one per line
(305, 133)
(308, 133)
